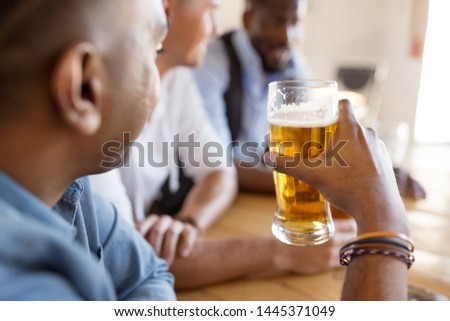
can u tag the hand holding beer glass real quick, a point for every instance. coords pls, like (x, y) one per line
(302, 116)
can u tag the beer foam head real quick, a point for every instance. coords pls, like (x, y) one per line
(308, 114)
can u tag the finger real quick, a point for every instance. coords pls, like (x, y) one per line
(145, 226)
(290, 166)
(187, 241)
(156, 234)
(346, 114)
(170, 241)
(270, 159)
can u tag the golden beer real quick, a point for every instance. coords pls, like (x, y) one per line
(303, 214)
(302, 116)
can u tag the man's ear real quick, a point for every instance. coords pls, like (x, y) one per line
(77, 88)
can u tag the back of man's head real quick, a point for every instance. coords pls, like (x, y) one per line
(75, 74)
(33, 33)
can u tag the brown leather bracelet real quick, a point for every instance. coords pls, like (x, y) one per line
(402, 238)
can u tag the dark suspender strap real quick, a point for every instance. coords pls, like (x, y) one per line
(170, 203)
(233, 95)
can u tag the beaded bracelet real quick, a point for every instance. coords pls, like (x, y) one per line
(347, 254)
(384, 243)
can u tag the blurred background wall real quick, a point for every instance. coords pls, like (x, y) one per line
(340, 32)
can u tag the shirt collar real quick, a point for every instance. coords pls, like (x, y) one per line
(31, 207)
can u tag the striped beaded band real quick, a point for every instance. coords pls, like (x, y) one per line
(347, 256)
(384, 243)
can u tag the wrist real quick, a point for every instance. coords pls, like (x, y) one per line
(379, 210)
(385, 218)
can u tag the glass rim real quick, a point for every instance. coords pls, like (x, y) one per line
(305, 83)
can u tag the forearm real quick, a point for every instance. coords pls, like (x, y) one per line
(221, 259)
(360, 285)
(218, 260)
(255, 179)
(209, 199)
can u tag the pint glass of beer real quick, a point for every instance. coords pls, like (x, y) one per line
(302, 116)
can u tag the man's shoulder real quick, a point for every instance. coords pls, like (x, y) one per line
(9, 218)
(35, 254)
(23, 241)
(18, 230)
(98, 213)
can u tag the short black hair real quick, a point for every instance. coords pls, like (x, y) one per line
(254, 3)
(32, 35)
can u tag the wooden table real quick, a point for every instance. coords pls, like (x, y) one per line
(252, 214)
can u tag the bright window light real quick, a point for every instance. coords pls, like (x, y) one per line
(433, 114)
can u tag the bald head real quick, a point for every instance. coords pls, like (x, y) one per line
(75, 74)
(25, 20)
(31, 39)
